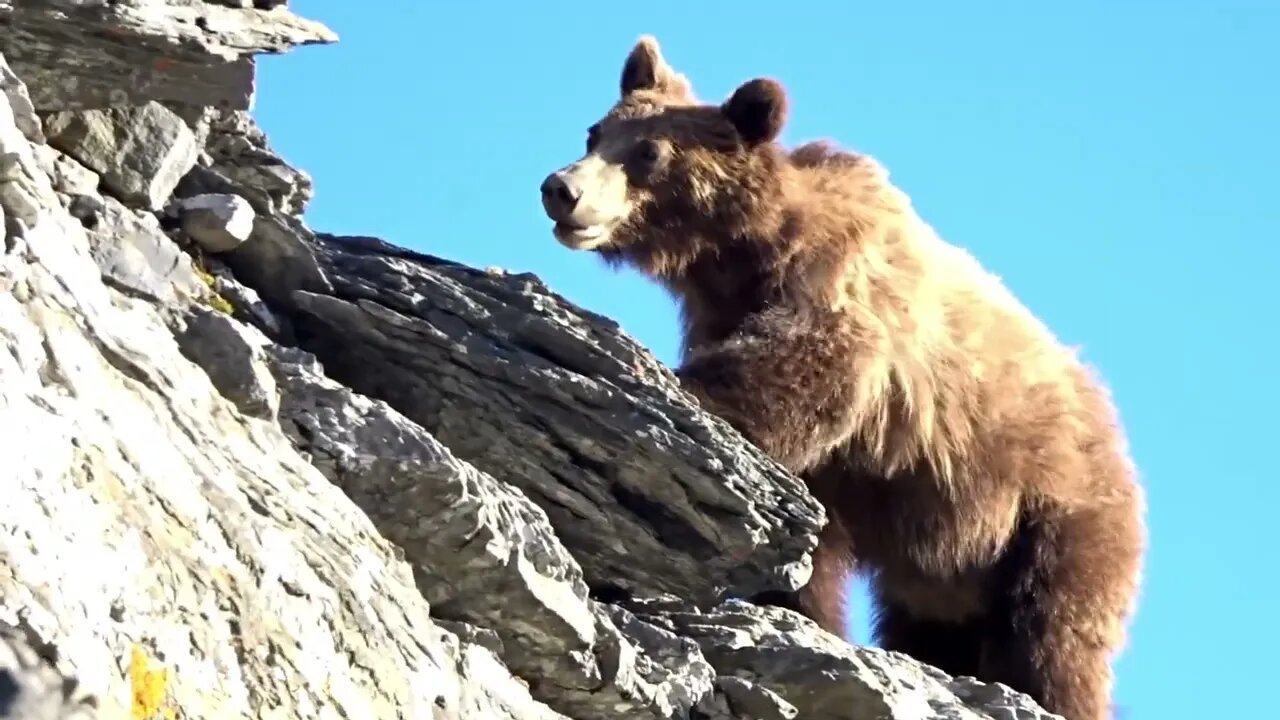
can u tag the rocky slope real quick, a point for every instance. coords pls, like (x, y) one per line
(251, 470)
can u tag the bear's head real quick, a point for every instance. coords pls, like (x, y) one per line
(666, 178)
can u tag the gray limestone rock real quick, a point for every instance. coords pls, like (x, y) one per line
(561, 404)
(71, 177)
(31, 687)
(24, 186)
(485, 556)
(149, 529)
(234, 356)
(822, 676)
(140, 152)
(276, 261)
(24, 113)
(135, 254)
(237, 158)
(20, 192)
(246, 305)
(748, 699)
(77, 54)
(87, 208)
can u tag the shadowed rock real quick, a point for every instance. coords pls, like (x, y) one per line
(31, 688)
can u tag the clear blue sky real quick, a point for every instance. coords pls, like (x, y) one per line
(1116, 165)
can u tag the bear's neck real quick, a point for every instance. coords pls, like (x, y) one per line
(718, 292)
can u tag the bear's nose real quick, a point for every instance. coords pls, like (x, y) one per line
(559, 195)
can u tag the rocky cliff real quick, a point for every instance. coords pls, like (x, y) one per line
(253, 470)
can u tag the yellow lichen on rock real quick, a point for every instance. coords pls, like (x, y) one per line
(149, 688)
(215, 300)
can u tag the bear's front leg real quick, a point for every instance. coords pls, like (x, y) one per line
(784, 381)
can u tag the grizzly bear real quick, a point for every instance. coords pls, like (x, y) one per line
(971, 466)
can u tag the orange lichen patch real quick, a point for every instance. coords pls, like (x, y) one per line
(149, 687)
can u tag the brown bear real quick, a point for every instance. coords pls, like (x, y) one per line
(970, 465)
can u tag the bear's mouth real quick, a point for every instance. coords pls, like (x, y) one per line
(581, 237)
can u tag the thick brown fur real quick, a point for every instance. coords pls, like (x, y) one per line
(971, 466)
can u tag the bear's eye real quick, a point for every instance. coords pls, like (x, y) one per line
(647, 152)
(593, 137)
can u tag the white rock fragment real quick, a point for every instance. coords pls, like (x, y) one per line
(218, 222)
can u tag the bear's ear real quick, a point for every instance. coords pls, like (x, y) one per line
(644, 67)
(758, 109)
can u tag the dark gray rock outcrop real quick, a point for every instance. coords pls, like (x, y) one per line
(648, 492)
(256, 471)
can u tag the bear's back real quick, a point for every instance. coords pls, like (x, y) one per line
(949, 356)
